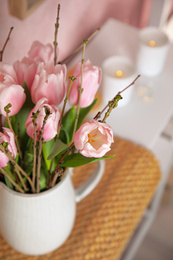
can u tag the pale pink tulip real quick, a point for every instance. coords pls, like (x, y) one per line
(51, 126)
(90, 84)
(10, 90)
(49, 82)
(7, 137)
(7, 74)
(93, 139)
(25, 71)
(43, 51)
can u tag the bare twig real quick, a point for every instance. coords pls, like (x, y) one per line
(34, 152)
(11, 180)
(8, 38)
(67, 59)
(12, 160)
(60, 161)
(40, 137)
(55, 43)
(57, 175)
(111, 104)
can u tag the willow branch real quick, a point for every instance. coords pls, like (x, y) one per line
(47, 113)
(20, 178)
(68, 58)
(55, 43)
(8, 154)
(34, 152)
(8, 38)
(112, 104)
(11, 180)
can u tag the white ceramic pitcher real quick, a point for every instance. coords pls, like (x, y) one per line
(36, 224)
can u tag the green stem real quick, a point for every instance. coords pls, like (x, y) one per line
(80, 90)
(47, 113)
(34, 152)
(72, 79)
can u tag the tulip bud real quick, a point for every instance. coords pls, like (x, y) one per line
(90, 84)
(49, 83)
(52, 122)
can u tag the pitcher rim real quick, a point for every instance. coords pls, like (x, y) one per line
(32, 195)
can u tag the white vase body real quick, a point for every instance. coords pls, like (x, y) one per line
(36, 224)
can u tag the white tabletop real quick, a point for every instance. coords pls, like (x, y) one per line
(138, 121)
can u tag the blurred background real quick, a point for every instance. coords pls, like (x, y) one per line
(34, 20)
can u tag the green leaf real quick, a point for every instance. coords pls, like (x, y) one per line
(47, 148)
(20, 118)
(84, 112)
(58, 147)
(28, 156)
(43, 180)
(69, 121)
(68, 125)
(75, 160)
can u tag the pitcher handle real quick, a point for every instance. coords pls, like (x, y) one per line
(89, 185)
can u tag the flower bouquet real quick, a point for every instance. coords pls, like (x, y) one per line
(43, 133)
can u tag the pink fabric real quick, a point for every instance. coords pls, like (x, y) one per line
(78, 19)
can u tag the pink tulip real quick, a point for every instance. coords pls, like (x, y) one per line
(51, 126)
(10, 90)
(14, 95)
(90, 84)
(25, 71)
(7, 74)
(7, 137)
(93, 139)
(45, 52)
(49, 82)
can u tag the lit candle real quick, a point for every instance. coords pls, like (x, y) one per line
(118, 73)
(152, 43)
(153, 49)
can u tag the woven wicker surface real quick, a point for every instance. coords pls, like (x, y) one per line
(107, 217)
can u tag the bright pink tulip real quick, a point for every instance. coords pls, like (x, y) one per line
(51, 126)
(25, 71)
(49, 82)
(93, 139)
(45, 52)
(7, 137)
(10, 90)
(90, 83)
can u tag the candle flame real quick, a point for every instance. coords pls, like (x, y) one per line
(152, 43)
(119, 73)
